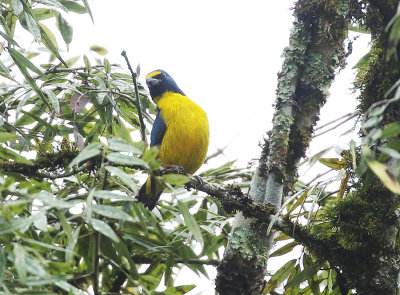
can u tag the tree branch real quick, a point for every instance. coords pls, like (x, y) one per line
(137, 101)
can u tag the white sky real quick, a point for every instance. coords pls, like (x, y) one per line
(225, 55)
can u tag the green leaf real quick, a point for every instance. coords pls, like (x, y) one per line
(124, 177)
(385, 175)
(284, 249)
(99, 50)
(9, 154)
(69, 288)
(333, 163)
(50, 35)
(175, 179)
(293, 290)
(178, 290)
(391, 130)
(43, 13)
(299, 201)
(305, 274)
(48, 198)
(23, 61)
(279, 276)
(50, 45)
(7, 136)
(391, 152)
(65, 29)
(33, 27)
(107, 66)
(22, 64)
(87, 64)
(103, 194)
(120, 145)
(74, 7)
(17, 6)
(112, 212)
(122, 159)
(3, 262)
(40, 220)
(92, 150)
(88, 9)
(4, 71)
(53, 99)
(19, 261)
(103, 228)
(9, 39)
(190, 222)
(73, 240)
(53, 3)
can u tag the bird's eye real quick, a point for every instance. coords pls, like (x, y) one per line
(163, 76)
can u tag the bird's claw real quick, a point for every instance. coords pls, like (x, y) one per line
(176, 168)
(199, 180)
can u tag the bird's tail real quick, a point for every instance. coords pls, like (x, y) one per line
(150, 192)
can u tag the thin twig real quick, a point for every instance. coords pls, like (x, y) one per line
(137, 101)
(352, 115)
(318, 176)
(337, 125)
(82, 168)
(220, 151)
(55, 70)
(145, 260)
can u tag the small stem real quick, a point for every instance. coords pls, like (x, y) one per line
(337, 125)
(137, 101)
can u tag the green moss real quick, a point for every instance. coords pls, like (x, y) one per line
(356, 222)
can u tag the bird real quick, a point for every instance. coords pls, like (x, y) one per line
(180, 130)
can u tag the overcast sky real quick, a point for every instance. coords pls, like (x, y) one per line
(225, 55)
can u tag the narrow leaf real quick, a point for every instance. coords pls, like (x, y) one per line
(305, 274)
(112, 212)
(3, 262)
(53, 3)
(33, 27)
(190, 222)
(17, 6)
(53, 100)
(74, 7)
(85, 2)
(122, 159)
(279, 276)
(65, 29)
(103, 228)
(120, 145)
(8, 136)
(23, 61)
(124, 177)
(333, 163)
(92, 150)
(9, 39)
(50, 45)
(385, 175)
(284, 249)
(175, 179)
(99, 50)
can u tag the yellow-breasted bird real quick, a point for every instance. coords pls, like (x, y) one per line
(180, 130)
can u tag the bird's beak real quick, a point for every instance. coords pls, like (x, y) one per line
(151, 81)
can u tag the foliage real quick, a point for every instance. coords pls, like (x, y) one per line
(71, 167)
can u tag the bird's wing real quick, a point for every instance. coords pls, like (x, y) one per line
(158, 131)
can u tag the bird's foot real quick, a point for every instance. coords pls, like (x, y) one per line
(175, 168)
(199, 180)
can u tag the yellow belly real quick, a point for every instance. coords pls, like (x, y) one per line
(185, 142)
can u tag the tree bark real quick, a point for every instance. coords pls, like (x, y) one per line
(316, 49)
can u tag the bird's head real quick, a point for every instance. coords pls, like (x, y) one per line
(159, 82)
